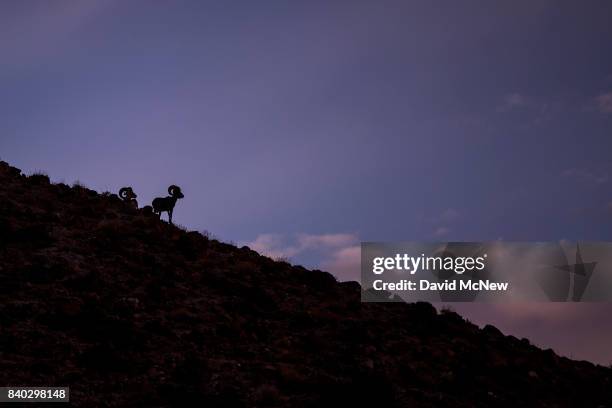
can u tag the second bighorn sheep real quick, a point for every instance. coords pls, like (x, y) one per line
(128, 196)
(166, 204)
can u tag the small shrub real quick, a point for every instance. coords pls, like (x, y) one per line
(39, 177)
(181, 227)
(283, 259)
(447, 309)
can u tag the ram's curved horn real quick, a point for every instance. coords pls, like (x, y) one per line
(124, 193)
(172, 190)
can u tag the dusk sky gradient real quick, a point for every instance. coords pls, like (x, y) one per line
(303, 128)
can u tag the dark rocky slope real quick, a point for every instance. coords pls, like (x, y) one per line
(130, 311)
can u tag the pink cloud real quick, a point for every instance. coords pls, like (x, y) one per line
(281, 246)
(512, 101)
(273, 245)
(576, 330)
(344, 264)
(308, 241)
(585, 175)
(604, 102)
(340, 254)
(441, 232)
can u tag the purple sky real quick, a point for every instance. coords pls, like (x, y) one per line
(302, 128)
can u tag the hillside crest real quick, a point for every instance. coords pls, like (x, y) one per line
(130, 311)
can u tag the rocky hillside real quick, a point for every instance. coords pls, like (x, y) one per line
(130, 311)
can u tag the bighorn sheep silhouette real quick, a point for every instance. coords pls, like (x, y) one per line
(166, 204)
(128, 196)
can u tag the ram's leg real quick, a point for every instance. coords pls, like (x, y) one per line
(170, 216)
